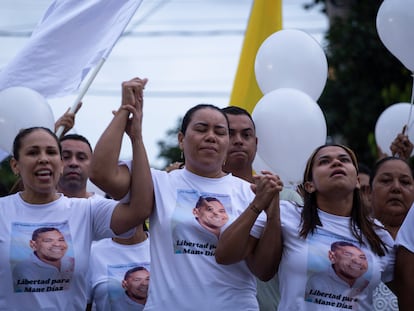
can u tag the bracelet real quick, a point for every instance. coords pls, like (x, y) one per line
(254, 209)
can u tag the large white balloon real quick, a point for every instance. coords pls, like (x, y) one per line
(391, 122)
(289, 126)
(395, 24)
(291, 58)
(21, 107)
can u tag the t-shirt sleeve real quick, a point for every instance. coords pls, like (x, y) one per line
(259, 225)
(128, 164)
(405, 236)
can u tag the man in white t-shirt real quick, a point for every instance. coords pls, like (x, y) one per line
(344, 276)
(47, 268)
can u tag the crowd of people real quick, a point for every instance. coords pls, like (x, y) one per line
(220, 235)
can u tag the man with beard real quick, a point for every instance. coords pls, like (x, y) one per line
(47, 268)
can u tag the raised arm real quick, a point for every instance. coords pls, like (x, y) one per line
(126, 216)
(401, 146)
(104, 170)
(236, 243)
(67, 120)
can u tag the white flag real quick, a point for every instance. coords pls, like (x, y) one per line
(72, 37)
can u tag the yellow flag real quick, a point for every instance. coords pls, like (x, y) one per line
(265, 19)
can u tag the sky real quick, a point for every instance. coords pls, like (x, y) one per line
(188, 49)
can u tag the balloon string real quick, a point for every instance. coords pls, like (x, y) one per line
(411, 107)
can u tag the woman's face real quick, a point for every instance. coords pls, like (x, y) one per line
(40, 164)
(205, 142)
(333, 171)
(392, 192)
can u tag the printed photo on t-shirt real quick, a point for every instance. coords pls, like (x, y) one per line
(128, 285)
(339, 271)
(198, 220)
(41, 257)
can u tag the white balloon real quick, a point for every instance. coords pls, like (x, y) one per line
(289, 126)
(21, 107)
(291, 58)
(391, 122)
(260, 165)
(395, 24)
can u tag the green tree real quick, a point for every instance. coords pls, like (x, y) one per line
(169, 150)
(365, 78)
(7, 178)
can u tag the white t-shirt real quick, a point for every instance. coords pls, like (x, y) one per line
(184, 272)
(305, 259)
(79, 220)
(109, 263)
(405, 236)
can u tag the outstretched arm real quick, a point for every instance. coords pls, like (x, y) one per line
(236, 244)
(142, 189)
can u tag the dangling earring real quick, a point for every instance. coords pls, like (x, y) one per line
(181, 156)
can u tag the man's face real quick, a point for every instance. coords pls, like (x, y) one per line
(50, 246)
(349, 262)
(76, 157)
(136, 284)
(243, 141)
(211, 214)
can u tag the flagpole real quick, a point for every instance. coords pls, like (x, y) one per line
(83, 91)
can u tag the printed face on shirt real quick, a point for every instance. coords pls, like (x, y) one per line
(211, 214)
(349, 262)
(136, 284)
(49, 246)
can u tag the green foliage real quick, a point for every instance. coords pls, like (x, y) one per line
(7, 178)
(365, 78)
(169, 150)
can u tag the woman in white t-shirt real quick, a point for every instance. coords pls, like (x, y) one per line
(184, 272)
(391, 197)
(74, 222)
(331, 215)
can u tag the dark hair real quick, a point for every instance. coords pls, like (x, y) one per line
(361, 222)
(380, 162)
(41, 230)
(237, 111)
(338, 244)
(202, 201)
(78, 138)
(17, 143)
(364, 169)
(188, 115)
(132, 270)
